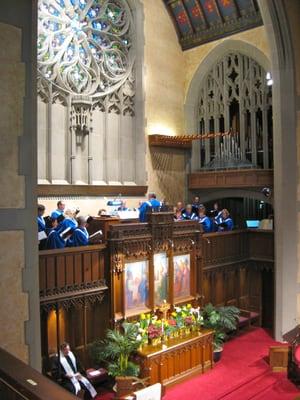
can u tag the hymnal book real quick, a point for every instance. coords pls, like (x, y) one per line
(42, 235)
(95, 234)
(67, 232)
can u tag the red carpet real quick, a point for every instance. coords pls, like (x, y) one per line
(242, 374)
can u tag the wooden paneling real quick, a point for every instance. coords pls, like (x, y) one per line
(247, 178)
(62, 268)
(181, 358)
(73, 286)
(232, 268)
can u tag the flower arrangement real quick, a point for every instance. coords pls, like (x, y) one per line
(154, 331)
(181, 320)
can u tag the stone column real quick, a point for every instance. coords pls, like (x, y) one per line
(19, 286)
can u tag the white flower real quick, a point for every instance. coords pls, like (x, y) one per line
(139, 338)
(178, 309)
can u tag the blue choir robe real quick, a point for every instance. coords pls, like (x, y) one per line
(80, 237)
(56, 213)
(41, 224)
(218, 217)
(67, 223)
(192, 216)
(152, 203)
(54, 240)
(206, 223)
(227, 224)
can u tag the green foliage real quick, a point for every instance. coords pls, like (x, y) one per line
(116, 350)
(221, 320)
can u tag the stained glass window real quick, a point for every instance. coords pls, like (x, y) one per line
(85, 46)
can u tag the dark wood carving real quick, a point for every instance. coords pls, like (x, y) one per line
(132, 242)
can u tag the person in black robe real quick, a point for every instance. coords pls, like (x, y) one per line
(64, 377)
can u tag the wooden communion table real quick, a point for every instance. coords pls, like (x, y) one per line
(178, 359)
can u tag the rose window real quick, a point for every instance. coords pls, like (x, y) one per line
(85, 46)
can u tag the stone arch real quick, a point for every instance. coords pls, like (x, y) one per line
(276, 21)
(214, 55)
(191, 101)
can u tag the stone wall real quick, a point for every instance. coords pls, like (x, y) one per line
(164, 98)
(19, 293)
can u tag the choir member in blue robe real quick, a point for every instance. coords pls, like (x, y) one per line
(151, 204)
(80, 236)
(196, 205)
(42, 235)
(204, 220)
(215, 216)
(40, 219)
(69, 222)
(55, 241)
(226, 222)
(59, 211)
(189, 214)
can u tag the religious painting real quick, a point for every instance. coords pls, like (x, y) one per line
(136, 285)
(161, 278)
(182, 276)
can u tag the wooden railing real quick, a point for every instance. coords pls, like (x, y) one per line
(222, 248)
(18, 381)
(71, 270)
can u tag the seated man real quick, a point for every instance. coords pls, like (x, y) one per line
(80, 236)
(226, 223)
(188, 213)
(151, 203)
(59, 211)
(68, 372)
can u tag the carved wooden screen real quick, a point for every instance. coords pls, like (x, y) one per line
(235, 95)
(153, 262)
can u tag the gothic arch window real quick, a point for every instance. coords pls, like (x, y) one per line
(235, 95)
(89, 58)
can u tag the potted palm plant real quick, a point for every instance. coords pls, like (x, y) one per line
(116, 350)
(222, 320)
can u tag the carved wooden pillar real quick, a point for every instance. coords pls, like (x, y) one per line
(253, 136)
(242, 133)
(265, 136)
